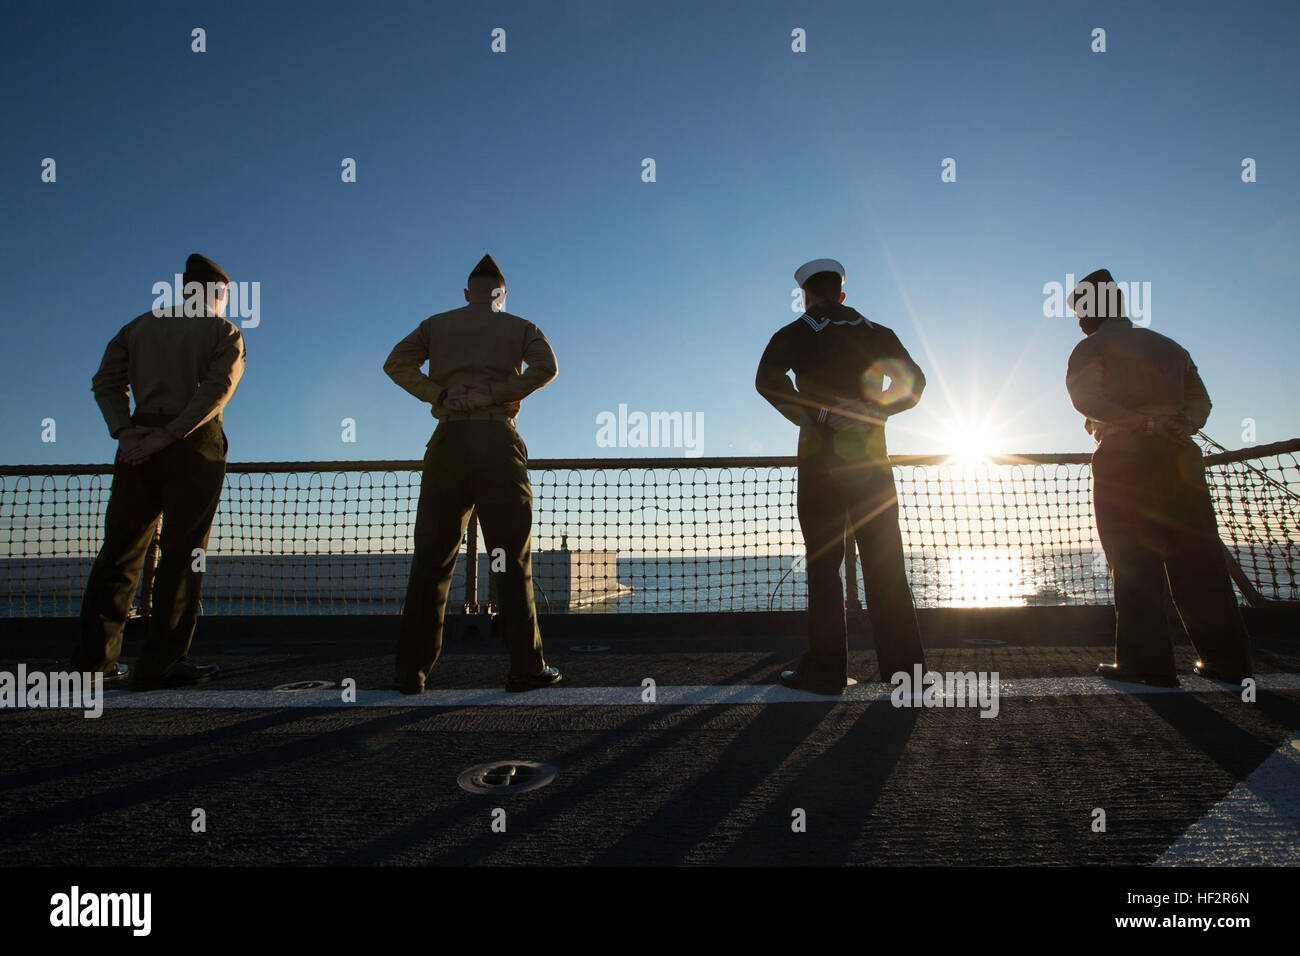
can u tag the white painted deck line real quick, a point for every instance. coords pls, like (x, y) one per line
(1256, 824)
(209, 697)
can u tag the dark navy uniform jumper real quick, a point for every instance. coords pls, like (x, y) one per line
(837, 354)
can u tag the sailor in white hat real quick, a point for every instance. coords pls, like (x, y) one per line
(810, 269)
(839, 400)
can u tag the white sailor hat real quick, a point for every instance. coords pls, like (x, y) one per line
(810, 269)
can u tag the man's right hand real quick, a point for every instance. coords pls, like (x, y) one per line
(138, 447)
(1178, 426)
(464, 398)
(129, 438)
(854, 414)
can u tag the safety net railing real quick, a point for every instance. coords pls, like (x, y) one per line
(641, 535)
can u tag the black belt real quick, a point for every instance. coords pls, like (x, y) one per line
(478, 416)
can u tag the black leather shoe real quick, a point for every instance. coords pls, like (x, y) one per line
(1112, 672)
(795, 681)
(1213, 673)
(408, 687)
(184, 673)
(548, 676)
(118, 675)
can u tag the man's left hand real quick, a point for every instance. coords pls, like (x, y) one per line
(136, 449)
(464, 398)
(855, 415)
(1179, 426)
(128, 438)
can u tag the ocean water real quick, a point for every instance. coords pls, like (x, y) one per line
(376, 583)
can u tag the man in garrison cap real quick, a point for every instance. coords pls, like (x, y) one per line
(182, 365)
(840, 403)
(475, 459)
(1142, 400)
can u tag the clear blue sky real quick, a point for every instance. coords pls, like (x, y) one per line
(657, 295)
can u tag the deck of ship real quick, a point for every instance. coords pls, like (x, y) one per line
(712, 772)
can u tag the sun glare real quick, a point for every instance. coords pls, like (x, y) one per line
(970, 443)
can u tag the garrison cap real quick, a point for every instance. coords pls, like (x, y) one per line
(487, 267)
(202, 269)
(810, 269)
(1093, 280)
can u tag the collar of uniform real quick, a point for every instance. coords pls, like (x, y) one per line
(1114, 324)
(819, 322)
(178, 312)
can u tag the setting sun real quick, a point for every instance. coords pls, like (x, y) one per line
(971, 443)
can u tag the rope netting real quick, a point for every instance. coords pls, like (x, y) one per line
(643, 535)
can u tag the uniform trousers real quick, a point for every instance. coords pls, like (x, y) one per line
(182, 483)
(468, 465)
(1156, 523)
(846, 476)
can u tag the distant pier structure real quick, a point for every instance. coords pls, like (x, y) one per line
(563, 580)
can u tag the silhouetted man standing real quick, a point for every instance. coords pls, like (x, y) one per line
(841, 360)
(475, 459)
(1143, 400)
(182, 365)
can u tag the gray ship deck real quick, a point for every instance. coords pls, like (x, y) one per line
(710, 773)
